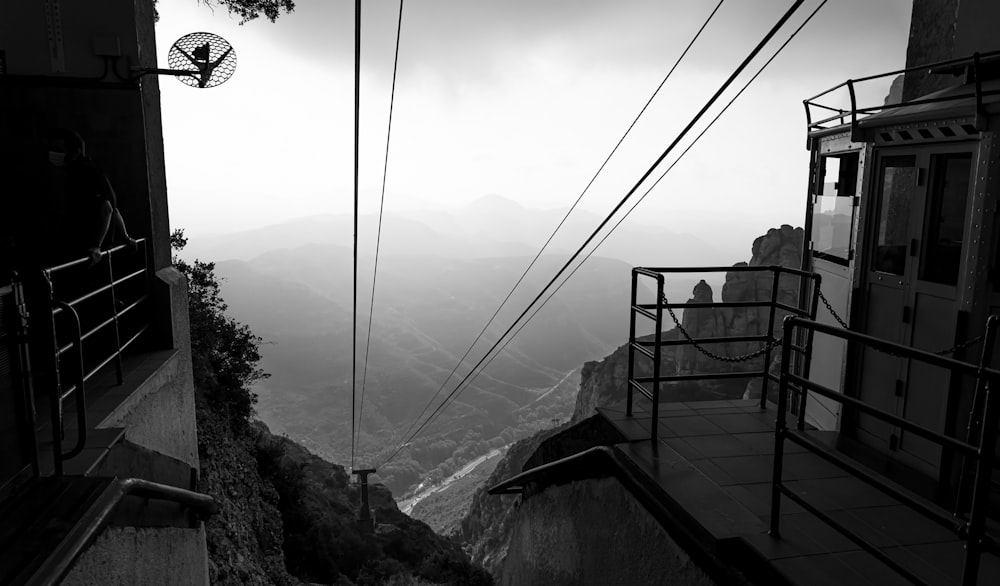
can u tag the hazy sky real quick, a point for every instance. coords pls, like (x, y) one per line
(520, 98)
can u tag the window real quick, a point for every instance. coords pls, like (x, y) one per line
(898, 179)
(833, 207)
(944, 220)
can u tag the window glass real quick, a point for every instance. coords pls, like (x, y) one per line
(898, 180)
(831, 227)
(829, 184)
(834, 207)
(944, 223)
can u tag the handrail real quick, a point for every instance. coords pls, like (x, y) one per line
(73, 309)
(97, 517)
(654, 312)
(972, 530)
(974, 61)
(84, 261)
(80, 390)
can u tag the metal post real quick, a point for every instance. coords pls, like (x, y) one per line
(119, 373)
(45, 359)
(976, 411)
(770, 335)
(658, 337)
(855, 134)
(22, 366)
(780, 428)
(981, 486)
(980, 120)
(631, 342)
(807, 355)
(365, 520)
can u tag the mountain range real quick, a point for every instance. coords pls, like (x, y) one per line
(440, 278)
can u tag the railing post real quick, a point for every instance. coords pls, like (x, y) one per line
(631, 343)
(984, 470)
(770, 335)
(780, 428)
(114, 315)
(80, 382)
(657, 351)
(806, 356)
(981, 488)
(44, 357)
(975, 412)
(855, 133)
(980, 119)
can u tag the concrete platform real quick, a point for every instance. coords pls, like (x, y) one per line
(714, 460)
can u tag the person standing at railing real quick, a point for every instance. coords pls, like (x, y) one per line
(82, 205)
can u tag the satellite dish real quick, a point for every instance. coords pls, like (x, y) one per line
(201, 60)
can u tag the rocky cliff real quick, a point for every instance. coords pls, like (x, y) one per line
(288, 515)
(486, 530)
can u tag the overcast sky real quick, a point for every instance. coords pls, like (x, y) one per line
(519, 98)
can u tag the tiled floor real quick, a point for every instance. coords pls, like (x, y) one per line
(714, 460)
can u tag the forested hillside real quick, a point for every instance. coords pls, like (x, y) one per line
(287, 515)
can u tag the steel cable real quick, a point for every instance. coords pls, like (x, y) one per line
(378, 233)
(746, 61)
(564, 218)
(641, 198)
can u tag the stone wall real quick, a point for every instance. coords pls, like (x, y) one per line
(932, 38)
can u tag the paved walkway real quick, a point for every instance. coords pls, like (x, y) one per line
(714, 460)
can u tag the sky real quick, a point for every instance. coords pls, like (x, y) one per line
(518, 98)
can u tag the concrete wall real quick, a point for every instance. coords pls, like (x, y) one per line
(593, 532)
(160, 414)
(127, 556)
(159, 229)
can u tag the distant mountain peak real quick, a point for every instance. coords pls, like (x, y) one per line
(495, 202)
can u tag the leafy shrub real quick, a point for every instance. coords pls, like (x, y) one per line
(225, 354)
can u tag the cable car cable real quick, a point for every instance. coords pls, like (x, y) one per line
(378, 232)
(746, 61)
(561, 222)
(647, 192)
(357, 119)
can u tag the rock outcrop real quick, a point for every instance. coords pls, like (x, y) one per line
(604, 383)
(486, 531)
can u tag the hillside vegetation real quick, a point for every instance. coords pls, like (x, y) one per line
(288, 516)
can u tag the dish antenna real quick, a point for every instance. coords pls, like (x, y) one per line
(199, 60)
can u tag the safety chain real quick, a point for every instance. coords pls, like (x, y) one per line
(829, 308)
(843, 324)
(741, 358)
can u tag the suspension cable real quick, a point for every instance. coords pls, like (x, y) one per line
(357, 120)
(562, 221)
(743, 65)
(378, 233)
(647, 192)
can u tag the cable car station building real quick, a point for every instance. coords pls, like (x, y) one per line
(870, 456)
(98, 445)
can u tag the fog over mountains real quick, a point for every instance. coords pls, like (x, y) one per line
(441, 276)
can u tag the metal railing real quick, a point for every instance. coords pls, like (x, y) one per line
(83, 331)
(851, 115)
(986, 410)
(807, 288)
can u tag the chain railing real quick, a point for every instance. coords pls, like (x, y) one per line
(947, 351)
(721, 358)
(806, 284)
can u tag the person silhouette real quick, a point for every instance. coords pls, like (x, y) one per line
(82, 204)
